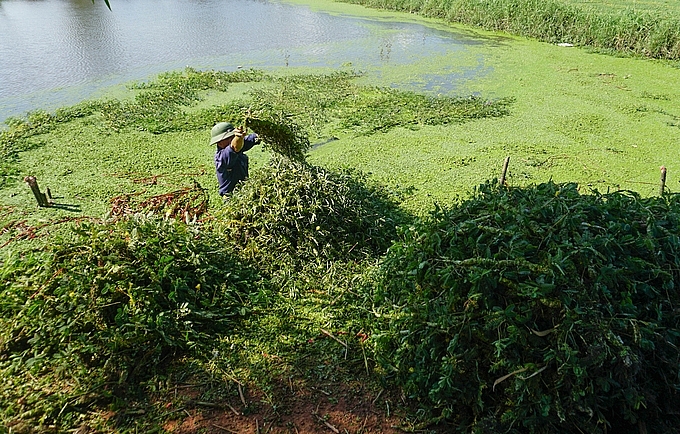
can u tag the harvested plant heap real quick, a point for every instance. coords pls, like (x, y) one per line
(293, 212)
(538, 310)
(99, 313)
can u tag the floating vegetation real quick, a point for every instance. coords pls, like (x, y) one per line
(317, 101)
(17, 137)
(286, 111)
(382, 109)
(160, 105)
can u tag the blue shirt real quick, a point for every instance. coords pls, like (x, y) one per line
(231, 166)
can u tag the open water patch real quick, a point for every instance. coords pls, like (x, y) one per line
(83, 48)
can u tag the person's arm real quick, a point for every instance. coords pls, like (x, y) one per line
(249, 141)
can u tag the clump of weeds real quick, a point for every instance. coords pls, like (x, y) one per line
(539, 309)
(296, 213)
(91, 317)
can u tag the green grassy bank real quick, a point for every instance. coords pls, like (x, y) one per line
(668, 8)
(625, 30)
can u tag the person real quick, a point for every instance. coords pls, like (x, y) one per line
(231, 162)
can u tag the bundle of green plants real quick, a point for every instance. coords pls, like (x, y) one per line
(93, 314)
(537, 310)
(290, 212)
(555, 21)
(281, 135)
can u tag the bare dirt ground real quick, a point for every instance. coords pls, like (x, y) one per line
(296, 409)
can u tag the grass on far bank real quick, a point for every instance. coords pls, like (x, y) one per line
(627, 31)
(667, 8)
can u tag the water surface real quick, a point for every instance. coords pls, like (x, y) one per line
(58, 52)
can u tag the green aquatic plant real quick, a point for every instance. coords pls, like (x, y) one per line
(537, 309)
(142, 134)
(319, 101)
(291, 212)
(20, 133)
(97, 312)
(160, 105)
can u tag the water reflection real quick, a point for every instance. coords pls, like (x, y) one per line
(55, 52)
(90, 45)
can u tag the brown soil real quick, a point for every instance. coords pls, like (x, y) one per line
(295, 409)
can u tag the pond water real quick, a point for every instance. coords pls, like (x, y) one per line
(58, 52)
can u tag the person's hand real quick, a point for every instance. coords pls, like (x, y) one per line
(237, 141)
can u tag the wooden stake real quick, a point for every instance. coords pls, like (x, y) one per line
(505, 170)
(39, 197)
(662, 187)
